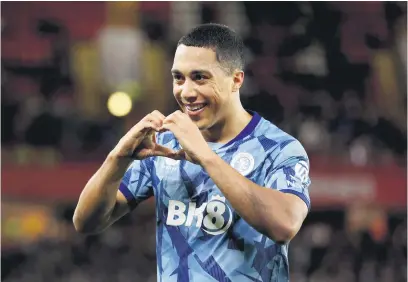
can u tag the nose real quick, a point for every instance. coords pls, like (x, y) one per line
(188, 92)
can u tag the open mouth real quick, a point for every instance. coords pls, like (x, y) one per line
(195, 109)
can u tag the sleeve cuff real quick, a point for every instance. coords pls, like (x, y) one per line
(131, 200)
(300, 195)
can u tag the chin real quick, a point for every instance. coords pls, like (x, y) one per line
(202, 124)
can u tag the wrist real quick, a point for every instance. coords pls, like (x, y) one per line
(208, 159)
(114, 167)
(115, 158)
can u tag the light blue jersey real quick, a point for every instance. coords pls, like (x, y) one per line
(200, 236)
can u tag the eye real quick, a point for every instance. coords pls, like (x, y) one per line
(198, 77)
(177, 77)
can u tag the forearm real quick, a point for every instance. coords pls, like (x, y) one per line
(98, 198)
(264, 209)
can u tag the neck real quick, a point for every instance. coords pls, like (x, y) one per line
(230, 126)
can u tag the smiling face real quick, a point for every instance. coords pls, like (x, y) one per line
(202, 87)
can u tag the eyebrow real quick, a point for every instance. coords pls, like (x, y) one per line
(175, 71)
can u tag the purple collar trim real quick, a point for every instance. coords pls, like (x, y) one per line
(247, 130)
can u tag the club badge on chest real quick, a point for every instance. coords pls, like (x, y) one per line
(243, 162)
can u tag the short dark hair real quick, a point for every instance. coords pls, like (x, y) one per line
(225, 42)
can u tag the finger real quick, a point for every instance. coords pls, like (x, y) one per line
(170, 126)
(182, 155)
(148, 121)
(162, 151)
(142, 127)
(179, 115)
(153, 116)
(137, 129)
(162, 129)
(156, 118)
(158, 114)
(172, 117)
(168, 119)
(147, 125)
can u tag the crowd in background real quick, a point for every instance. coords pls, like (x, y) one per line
(317, 77)
(324, 250)
(331, 74)
(312, 68)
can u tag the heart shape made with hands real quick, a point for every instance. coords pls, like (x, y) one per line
(148, 147)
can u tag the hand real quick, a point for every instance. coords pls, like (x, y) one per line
(139, 142)
(195, 148)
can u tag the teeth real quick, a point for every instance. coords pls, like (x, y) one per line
(195, 107)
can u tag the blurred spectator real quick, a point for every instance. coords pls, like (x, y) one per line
(120, 50)
(333, 74)
(305, 73)
(322, 251)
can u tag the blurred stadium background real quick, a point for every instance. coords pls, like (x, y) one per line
(76, 75)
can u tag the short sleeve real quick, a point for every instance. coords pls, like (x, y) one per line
(288, 172)
(136, 184)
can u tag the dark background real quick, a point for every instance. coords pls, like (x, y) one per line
(332, 74)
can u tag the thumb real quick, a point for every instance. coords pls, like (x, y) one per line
(162, 151)
(182, 155)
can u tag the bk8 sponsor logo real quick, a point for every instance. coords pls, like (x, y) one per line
(213, 217)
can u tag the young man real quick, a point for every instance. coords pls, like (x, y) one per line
(231, 188)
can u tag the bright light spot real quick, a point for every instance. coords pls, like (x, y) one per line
(119, 104)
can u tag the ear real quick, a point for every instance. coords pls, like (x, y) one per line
(238, 80)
